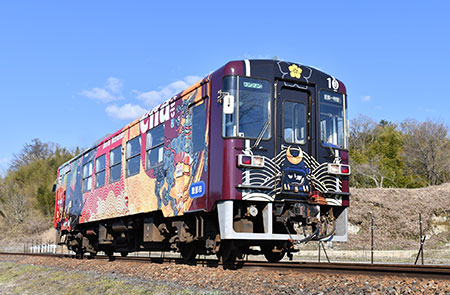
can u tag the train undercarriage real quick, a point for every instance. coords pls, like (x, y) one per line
(231, 231)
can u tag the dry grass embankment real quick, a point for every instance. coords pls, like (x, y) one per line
(396, 217)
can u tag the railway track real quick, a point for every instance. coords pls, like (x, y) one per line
(422, 271)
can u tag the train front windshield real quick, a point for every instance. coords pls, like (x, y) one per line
(252, 99)
(333, 131)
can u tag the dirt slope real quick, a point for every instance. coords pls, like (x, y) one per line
(396, 216)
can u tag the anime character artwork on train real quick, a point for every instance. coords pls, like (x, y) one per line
(255, 154)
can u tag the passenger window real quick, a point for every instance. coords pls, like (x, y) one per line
(198, 128)
(155, 146)
(115, 164)
(133, 156)
(294, 122)
(100, 171)
(87, 177)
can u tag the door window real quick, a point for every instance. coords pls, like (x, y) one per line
(198, 128)
(294, 123)
(155, 146)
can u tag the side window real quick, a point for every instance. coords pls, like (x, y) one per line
(87, 177)
(133, 156)
(100, 169)
(155, 146)
(294, 123)
(115, 164)
(198, 128)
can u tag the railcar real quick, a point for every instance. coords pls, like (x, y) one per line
(251, 159)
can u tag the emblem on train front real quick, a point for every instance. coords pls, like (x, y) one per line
(295, 172)
(295, 71)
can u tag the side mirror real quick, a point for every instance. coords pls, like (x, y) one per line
(54, 188)
(228, 104)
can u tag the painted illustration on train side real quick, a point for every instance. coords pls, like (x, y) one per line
(125, 183)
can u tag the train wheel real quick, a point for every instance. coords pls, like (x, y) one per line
(272, 256)
(110, 255)
(229, 253)
(188, 252)
(79, 255)
(92, 255)
(124, 254)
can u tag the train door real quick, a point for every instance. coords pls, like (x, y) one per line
(293, 139)
(73, 199)
(197, 183)
(61, 195)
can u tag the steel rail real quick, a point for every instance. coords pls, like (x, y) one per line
(435, 271)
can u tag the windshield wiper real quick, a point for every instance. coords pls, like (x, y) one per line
(261, 134)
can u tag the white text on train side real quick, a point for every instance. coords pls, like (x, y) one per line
(157, 116)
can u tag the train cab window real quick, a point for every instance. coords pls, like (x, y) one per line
(332, 116)
(155, 146)
(198, 128)
(252, 107)
(133, 156)
(115, 164)
(100, 171)
(87, 176)
(294, 123)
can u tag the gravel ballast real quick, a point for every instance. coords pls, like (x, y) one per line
(151, 278)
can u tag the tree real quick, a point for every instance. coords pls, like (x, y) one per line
(375, 153)
(427, 150)
(32, 175)
(36, 150)
(371, 170)
(13, 202)
(45, 200)
(362, 132)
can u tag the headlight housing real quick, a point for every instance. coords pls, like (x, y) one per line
(339, 169)
(252, 161)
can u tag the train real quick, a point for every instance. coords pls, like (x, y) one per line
(252, 159)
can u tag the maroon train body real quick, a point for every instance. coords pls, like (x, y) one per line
(255, 154)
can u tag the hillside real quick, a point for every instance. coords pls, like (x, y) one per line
(396, 217)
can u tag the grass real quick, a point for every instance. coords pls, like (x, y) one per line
(33, 279)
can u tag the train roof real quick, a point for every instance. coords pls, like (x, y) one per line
(281, 70)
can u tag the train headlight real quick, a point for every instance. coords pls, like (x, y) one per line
(340, 169)
(258, 161)
(333, 168)
(250, 161)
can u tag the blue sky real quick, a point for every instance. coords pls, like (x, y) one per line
(70, 70)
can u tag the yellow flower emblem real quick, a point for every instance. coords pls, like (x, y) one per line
(296, 72)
